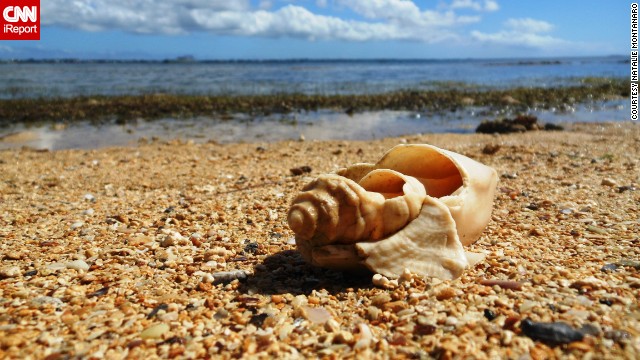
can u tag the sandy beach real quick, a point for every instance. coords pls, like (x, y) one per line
(182, 250)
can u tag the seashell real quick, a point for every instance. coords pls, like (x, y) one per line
(414, 209)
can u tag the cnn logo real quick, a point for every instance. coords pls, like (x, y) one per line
(16, 13)
(20, 20)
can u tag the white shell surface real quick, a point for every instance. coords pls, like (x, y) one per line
(415, 209)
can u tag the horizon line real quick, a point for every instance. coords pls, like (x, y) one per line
(192, 59)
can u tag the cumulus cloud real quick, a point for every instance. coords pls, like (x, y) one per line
(379, 19)
(487, 5)
(528, 25)
(522, 32)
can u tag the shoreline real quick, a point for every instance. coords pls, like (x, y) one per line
(124, 109)
(113, 252)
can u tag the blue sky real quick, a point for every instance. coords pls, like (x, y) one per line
(282, 29)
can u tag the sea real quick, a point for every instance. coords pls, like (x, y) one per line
(69, 78)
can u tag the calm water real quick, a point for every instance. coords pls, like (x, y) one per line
(311, 77)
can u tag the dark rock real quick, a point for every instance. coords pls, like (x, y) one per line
(533, 206)
(489, 314)
(157, 309)
(609, 267)
(520, 123)
(258, 319)
(250, 247)
(300, 170)
(606, 301)
(555, 333)
(99, 292)
(622, 189)
(553, 127)
(31, 273)
(490, 149)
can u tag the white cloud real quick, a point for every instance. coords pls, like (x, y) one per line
(374, 20)
(520, 39)
(477, 5)
(381, 19)
(528, 25)
(522, 32)
(490, 5)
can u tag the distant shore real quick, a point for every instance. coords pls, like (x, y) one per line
(125, 108)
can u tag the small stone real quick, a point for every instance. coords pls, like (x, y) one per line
(224, 277)
(373, 313)
(446, 293)
(395, 306)
(608, 182)
(381, 299)
(617, 335)
(505, 284)
(589, 283)
(155, 331)
(490, 149)
(490, 314)
(297, 171)
(76, 225)
(555, 333)
(13, 255)
(344, 337)
(9, 272)
(609, 267)
(380, 280)
(89, 197)
(47, 300)
(527, 305)
(77, 265)
(88, 212)
(316, 315)
(629, 263)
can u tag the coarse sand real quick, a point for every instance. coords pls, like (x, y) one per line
(182, 250)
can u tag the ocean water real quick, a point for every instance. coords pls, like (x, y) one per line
(301, 76)
(36, 80)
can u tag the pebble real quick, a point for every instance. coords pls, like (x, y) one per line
(608, 182)
(505, 284)
(554, 333)
(589, 282)
(446, 294)
(89, 197)
(297, 171)
(9, 272)
(77, 265)
(366, 337)
(154, 331)
(629, 263)
(13, 255)
(76, 225)
(224, 277)
(381, 299)
(609, 267)
(88, 212)
(316, 315)
(47, 300)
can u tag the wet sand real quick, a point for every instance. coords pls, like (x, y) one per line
(133, 251)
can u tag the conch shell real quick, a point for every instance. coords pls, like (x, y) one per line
(414, 209)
